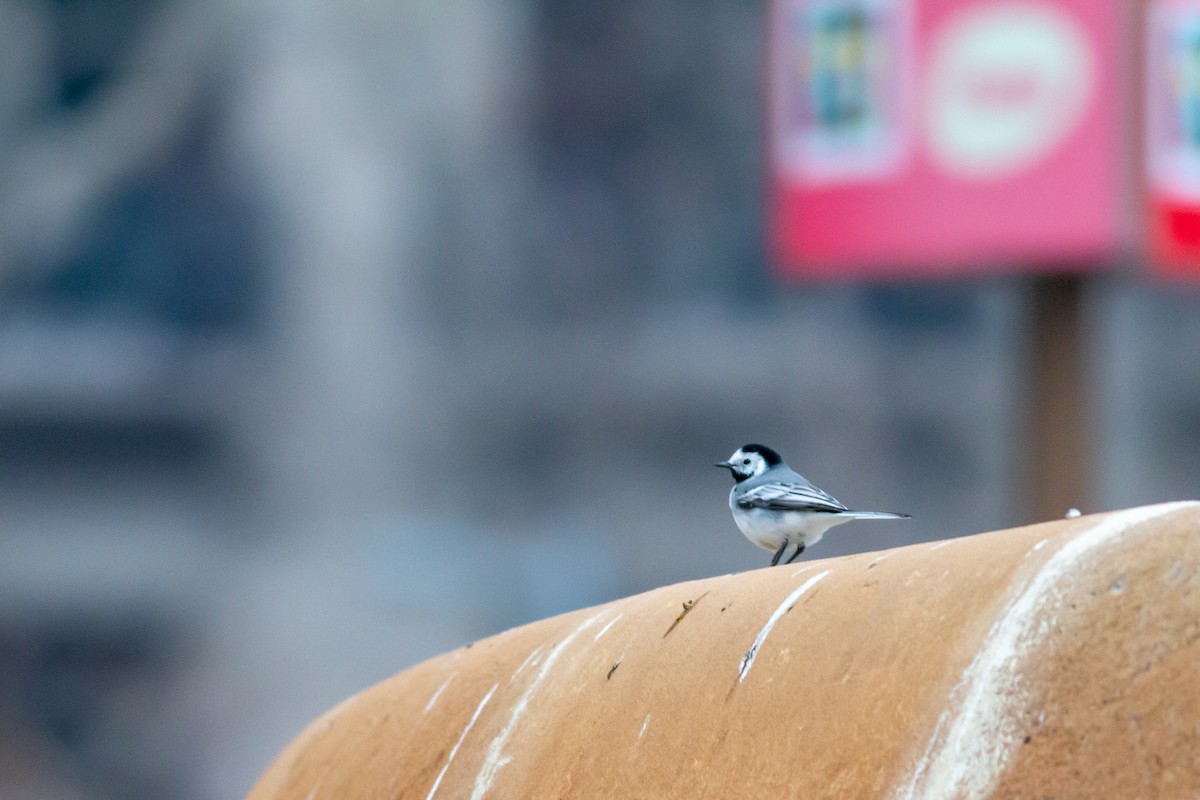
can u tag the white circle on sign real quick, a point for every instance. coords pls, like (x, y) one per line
(1005, 83)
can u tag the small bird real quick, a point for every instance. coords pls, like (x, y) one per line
(776, 507)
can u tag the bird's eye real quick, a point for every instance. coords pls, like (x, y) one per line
(746, 461)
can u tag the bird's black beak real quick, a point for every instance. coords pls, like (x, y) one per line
(725, 464)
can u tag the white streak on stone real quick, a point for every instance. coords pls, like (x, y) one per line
(495, 760)
(312, 794)
(784, 607)
(802, 570)
(942, 544)
(882, 556)
(609, 624)
(971, 749)
(531, 658)
(1035, 548)
(439, 691)
(458, 744)
(645, 723)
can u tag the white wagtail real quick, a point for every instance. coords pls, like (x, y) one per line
(776, 507)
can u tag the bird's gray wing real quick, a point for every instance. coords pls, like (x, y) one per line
(789, 497)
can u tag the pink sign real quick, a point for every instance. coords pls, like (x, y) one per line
(935, 136)
(1172, 133)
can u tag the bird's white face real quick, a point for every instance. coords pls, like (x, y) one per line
(745, 465)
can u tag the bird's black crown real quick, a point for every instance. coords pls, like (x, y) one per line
(770, 456)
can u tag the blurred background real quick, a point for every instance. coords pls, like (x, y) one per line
(335, 335)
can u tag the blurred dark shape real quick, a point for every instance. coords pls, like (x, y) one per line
(84, 688)
(174, 247)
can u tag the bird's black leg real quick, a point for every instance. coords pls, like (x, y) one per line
(779, 553)
(795, 555)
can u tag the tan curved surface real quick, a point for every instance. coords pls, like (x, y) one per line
(1057, 660)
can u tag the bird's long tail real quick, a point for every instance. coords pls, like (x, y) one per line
(875, 515)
